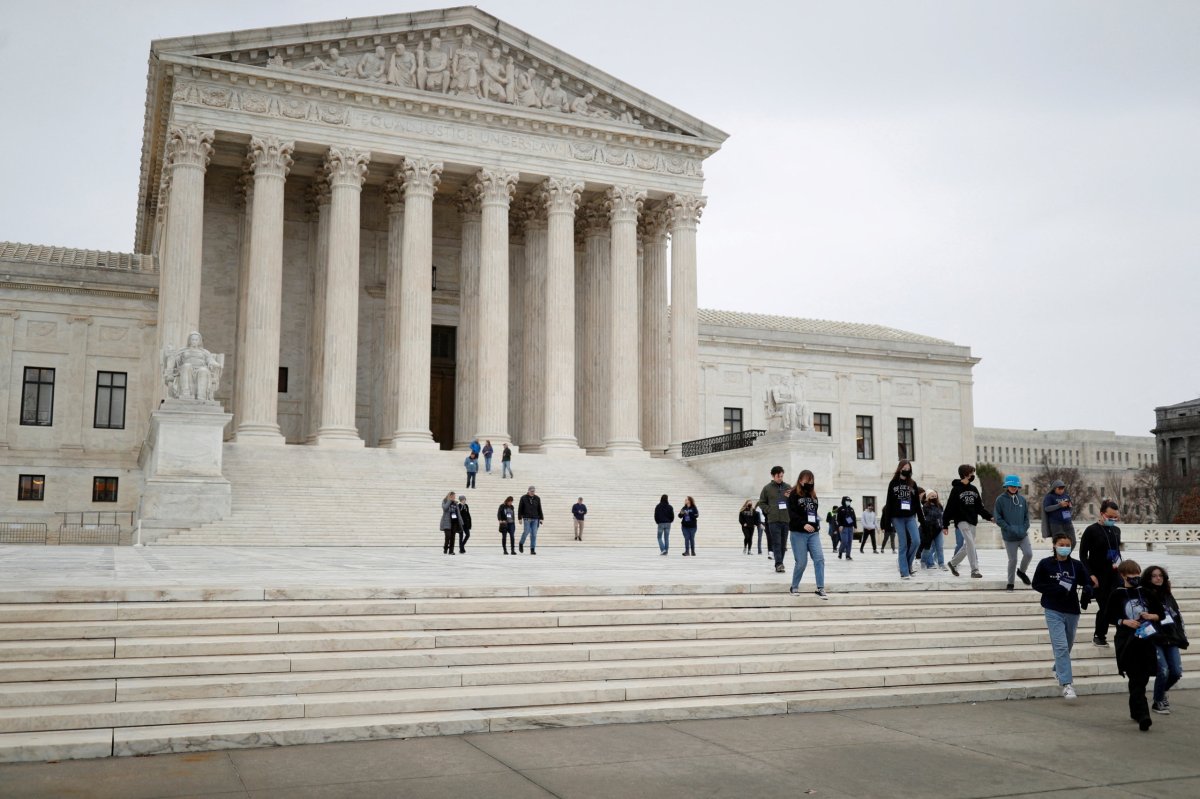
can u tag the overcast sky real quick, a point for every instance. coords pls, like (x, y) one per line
(1019, 177)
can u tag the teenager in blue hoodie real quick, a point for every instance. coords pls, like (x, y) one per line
(1012, 515)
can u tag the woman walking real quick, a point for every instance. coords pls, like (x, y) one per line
(746, 520)
(1173, 638)
(1137, 615)
(687, 523)
(506, 515)
(487, 456)
(451, 523)
(931, 533)
(1058, 579)
(904, 509)
(804, 529)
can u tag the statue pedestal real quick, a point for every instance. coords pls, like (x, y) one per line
(181, 461)
(745, 471)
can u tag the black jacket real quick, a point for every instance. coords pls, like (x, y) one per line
(965, 504)
(1051, 578)
(746, 519)
(465, 513)
(664, 513)
(530, 508)
(1098, 547)
(899, 492)
(800, 511)
(1174, 633)
(846, 517)
(1133, 653)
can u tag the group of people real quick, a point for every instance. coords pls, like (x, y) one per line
(485, 451)
(456, 522)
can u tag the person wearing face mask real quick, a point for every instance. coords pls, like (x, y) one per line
(1174, 637)
(963, 508)
(846, 522)
(1057, 512)
(1012, 515)
(1059, 578)
(1100, 550)
(903, 507)
(804, 525)
(1138, 616)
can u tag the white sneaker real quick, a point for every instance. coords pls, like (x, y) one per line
(944, 568)
(1069, 692)
(905, 577)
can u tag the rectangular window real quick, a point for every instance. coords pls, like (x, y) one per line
(104, 489)
(864, 434)
(823, 423)
(110, 400)
(37, 399)
(283, 375)
(31, 488)
(733, 420)
(906, 440)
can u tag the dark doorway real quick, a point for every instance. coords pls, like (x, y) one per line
(441, 385)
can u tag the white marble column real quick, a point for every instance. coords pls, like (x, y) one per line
(624, 203)
(495, 188)
(257, 422)
(346, 168)
(319, 198)
(685, 210)
(516, 315)
(72, 419)
(188, 151)
(393, 198)
(655, 365)
(593, 366)
(421, 177)
(560, 197)
(531, 393)
(8, 332)
(467, 336)
(246, 195)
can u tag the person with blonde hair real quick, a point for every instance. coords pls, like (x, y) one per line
(746, 522)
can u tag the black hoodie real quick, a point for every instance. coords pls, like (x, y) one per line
(965, 504)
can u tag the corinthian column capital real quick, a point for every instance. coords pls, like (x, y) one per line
(560, 195)
(189, 146)
(624, 203)
(684, 210)
(346, 166)
(420, 176)
(655, 221)
(467, 201)
(393, 195)
(595, 218)
(271, 156)
(495, 186)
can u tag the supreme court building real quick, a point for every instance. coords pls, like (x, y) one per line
(414, 230)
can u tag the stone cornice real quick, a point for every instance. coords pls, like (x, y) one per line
(128, 293)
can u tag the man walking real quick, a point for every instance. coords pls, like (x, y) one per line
(772, 500)
(472, 466)
(579, 511)
(846, 522)
(664, 516)
(1012, 515)
(964, 506)
(1056, 513)
(529, 513)
(1100, 551)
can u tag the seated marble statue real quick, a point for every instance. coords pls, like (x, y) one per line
(192, 372)
(373, 66)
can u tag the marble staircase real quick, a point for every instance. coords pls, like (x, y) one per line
(306, 496)
(98, 674)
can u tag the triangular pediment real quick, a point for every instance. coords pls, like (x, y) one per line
(459, 53)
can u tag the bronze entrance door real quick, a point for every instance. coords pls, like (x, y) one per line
(441, 385)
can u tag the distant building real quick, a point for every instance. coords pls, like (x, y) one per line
(1109, 463)
(1177, 435)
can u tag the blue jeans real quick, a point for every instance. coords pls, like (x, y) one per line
(761, 530)
(664, 536)
(1170, 669)
(934, 552)
(505, 469)
(908, 539)
(487, 463)
(847, 543)
(689, 539)
(804, 545)
(529, 531)
(1062, 628)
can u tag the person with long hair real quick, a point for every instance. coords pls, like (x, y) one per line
(1137, 615)
(746, 521)
(931, 532)
(904, 509)
(451, 522)
(804, 525)
(687, 524)
(506, 515)
(1173, 637)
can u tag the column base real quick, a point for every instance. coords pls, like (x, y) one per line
(625, 449)
(533, 449)
(566, 446)
(339, 438)
(413, 445)
(675, 451)
(267, 435)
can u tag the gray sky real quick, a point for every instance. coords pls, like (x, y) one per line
(1018, 177)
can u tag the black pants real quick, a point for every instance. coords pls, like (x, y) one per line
(748, 535)
(888, 535)
(836, 538)
(1140, 662)
(463, 538)
(777, 536)
(470, 479)
(508, 536)
(863, 545)
(1102, 593)
(448, 544)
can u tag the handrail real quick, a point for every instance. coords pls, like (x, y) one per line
(721, 443)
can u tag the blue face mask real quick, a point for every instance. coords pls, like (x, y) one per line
(1110, 522)
(1134, 582)
(1063, 552)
